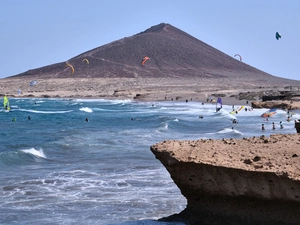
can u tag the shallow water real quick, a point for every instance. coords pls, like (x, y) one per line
(59, 169)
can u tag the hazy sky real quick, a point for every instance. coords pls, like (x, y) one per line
(36, 33)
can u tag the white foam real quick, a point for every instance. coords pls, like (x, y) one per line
(226, 130)
(37, 153)
(86, 109)
(45, 112)
(116, 101)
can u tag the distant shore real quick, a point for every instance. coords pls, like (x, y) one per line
(139, 89)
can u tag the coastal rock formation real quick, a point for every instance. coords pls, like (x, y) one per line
(297, 125)
(236, 181)
(277, 104)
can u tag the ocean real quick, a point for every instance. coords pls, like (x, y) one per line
(58, 168)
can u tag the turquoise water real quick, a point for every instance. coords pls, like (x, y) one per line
(59, 169)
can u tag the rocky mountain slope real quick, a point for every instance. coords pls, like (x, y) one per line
(172, 52)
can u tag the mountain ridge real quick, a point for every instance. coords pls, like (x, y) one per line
(173, 53)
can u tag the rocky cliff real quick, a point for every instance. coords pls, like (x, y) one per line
(236, 181)
(285, 105)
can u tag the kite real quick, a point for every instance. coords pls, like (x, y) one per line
(145, 59)
(73, 70)
(238, 56)
(86, 61)
(277, 35)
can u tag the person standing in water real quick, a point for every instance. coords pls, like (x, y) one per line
(281, 125)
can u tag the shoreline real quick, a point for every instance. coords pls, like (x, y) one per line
(227, 101)
(138, 89)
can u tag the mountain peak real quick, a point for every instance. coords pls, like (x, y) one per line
(173, 53)
(156, 28)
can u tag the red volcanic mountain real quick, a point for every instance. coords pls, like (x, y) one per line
(172, 53)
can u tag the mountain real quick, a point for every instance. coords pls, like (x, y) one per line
(172, 52)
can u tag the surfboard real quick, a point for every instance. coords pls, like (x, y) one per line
(239, 109)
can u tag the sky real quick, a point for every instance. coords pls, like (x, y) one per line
(37, 33)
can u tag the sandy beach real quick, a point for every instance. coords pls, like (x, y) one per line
(141, 89)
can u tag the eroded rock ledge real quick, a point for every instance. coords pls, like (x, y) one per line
(285, 105)
(236, 181)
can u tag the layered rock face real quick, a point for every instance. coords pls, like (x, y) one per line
(277, 104)
(236, 181)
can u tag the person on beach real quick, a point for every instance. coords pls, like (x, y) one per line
(273, 126)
